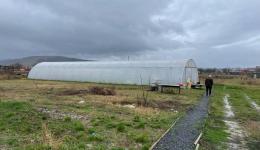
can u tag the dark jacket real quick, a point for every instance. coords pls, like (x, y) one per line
(209, 82)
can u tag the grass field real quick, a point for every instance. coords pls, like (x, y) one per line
(216, 135)
(69, 115)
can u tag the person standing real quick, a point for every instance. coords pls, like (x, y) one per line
(208, 84)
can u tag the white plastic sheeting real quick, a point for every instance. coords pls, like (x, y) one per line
(118, 72)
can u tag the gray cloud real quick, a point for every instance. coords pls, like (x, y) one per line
(225, 31)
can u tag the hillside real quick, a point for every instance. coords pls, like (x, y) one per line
(32, 60)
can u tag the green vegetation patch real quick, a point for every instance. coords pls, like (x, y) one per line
(17, 117)
(22, 126)
(214, 134)
(246, 115)
(107, 122)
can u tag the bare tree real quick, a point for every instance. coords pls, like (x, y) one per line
(36, 87)
(145, 93)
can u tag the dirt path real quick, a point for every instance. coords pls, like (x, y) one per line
(237, 135)
(253, 103)
(186, 130)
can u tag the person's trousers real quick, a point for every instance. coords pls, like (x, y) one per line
(208, 90)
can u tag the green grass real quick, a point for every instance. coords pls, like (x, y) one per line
(245, 114)
(215, 135)
(18, 117)
(141, 138)
(21, 127)
(109, 125)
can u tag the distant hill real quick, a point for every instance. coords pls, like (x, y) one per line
(33, 60)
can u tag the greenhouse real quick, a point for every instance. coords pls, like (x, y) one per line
(118, 72)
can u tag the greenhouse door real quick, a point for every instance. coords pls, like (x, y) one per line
(189, 74)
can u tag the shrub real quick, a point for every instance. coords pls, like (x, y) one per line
(142, 138)
(140, 125)
(70, 142)
(110, 125)
(91, 130)
(155, 125)
(102, 91)
(117, 148)
(44, 117)
(38, 147)
(120, 127)
(95, 137)
(137, 119)
(67, 119)
(13, 142)
(80, 135)
(78, 126)
(145, 147)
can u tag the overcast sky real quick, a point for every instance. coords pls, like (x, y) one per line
(216, 33)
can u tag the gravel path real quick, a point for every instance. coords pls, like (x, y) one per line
(186, 130)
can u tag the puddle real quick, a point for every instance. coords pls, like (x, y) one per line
(253, 103)
(236, 138)
(228, 111)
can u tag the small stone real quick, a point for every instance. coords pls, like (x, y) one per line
(81, 102)
(129, 106)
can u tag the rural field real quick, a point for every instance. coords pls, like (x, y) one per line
(38, 114)
(129, 75)
(234, 116)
